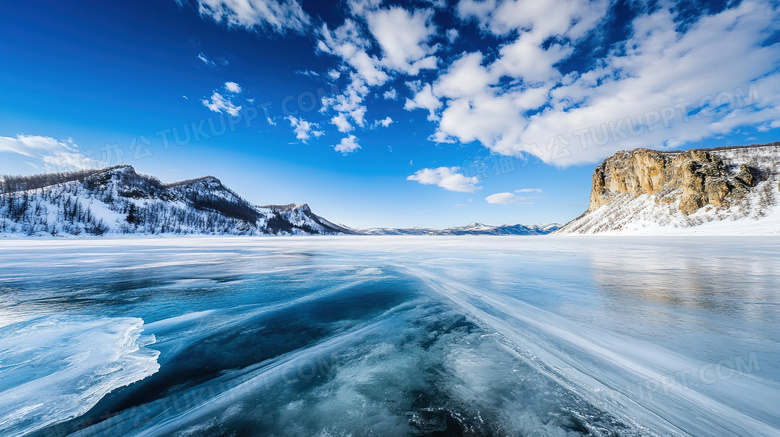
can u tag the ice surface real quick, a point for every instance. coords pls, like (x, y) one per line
(400, 335)
(57, 367)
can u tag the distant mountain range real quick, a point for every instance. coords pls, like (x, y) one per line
(471, 229)
(117, 200)
(718, 191)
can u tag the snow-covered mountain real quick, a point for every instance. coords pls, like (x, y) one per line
(720, 191)
(470, 229)
(118, 200)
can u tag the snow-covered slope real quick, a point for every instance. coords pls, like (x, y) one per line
(118, 200)
(724, 191)
(470, 229)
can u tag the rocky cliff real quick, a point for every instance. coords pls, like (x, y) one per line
(645, 188)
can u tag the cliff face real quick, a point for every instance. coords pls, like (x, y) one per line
(644, 188)
(702, 178)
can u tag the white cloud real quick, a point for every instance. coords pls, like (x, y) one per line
(471, 100)
(233, 87)
(639, 95)
(466, 77)
(570, 18)
(220, 104)
(403, 37)
(347, 145)
(615, 107)
(57, 155)
(492, 120)
(63, 160)
(385, 122)
(448, 178)
(277, 15)
(348, 105)
(205, 60)
(304, 130)
(452, 35)
(424, 99)
(342, 124)
(474, 107)
(438, 4)
(516, 99)
(348, 43)
(361, 7)
(32, 145)
(308, 73)
(506, 199)
(525, 59)
(477, 10)
(529, 190)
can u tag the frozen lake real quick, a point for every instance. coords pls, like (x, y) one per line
(390, 336)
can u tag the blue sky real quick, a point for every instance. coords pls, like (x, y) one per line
(420, 113)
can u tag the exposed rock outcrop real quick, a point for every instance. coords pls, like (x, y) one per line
(702, 177)
(644, 188)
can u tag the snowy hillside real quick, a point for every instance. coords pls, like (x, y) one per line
(118, 200)
(471, 229)
(725, 191)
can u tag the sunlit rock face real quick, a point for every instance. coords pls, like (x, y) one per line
(694, 178)
(642, 189)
